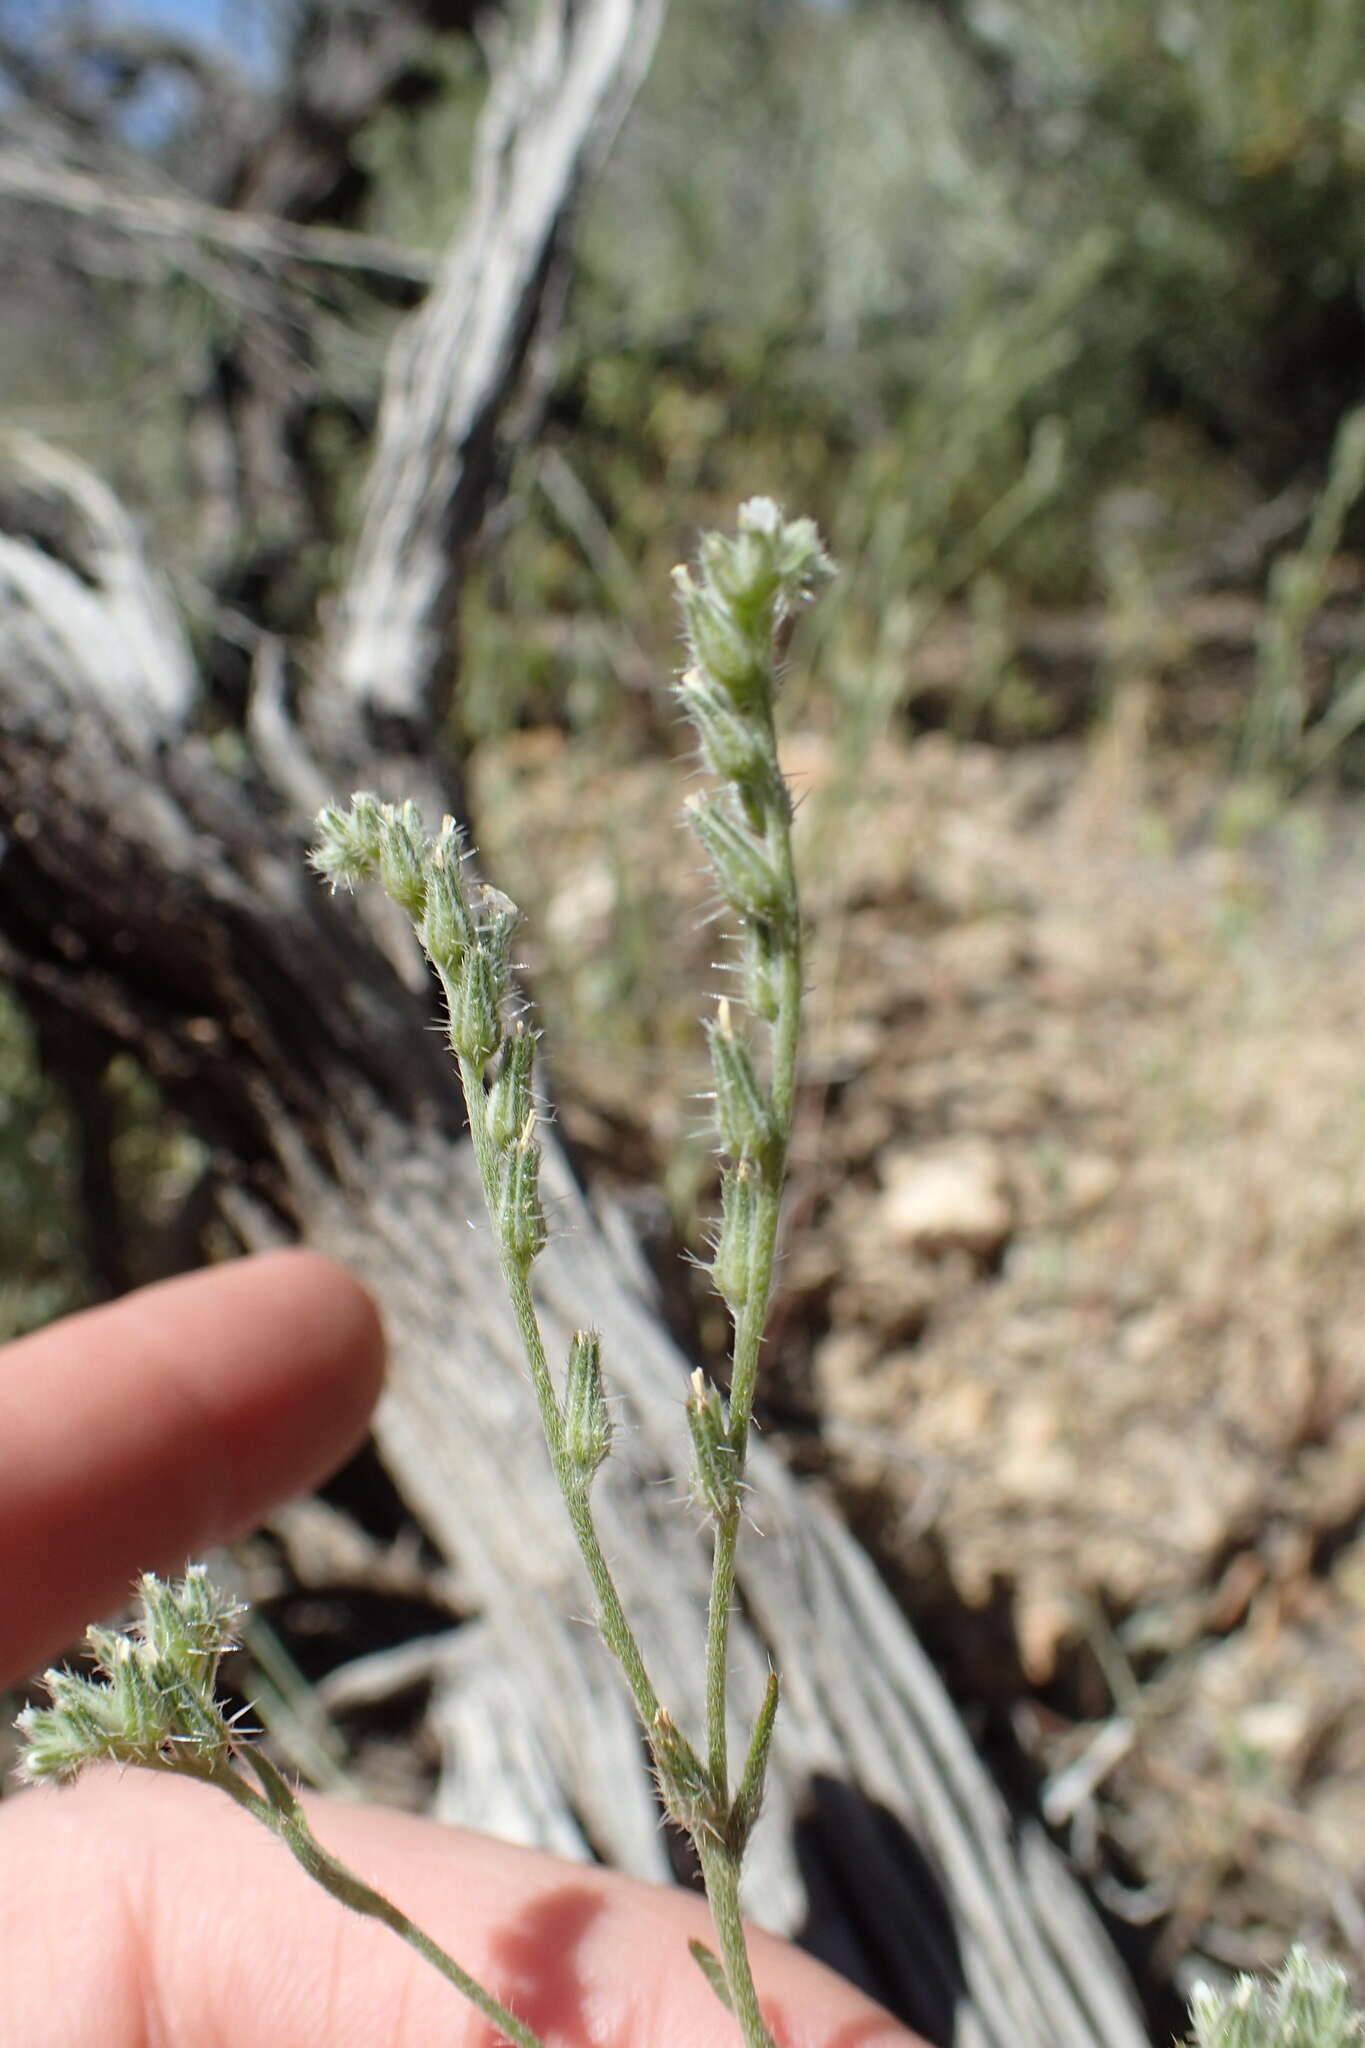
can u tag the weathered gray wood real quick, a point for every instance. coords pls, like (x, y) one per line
(176, 224)
(94, 611)
(554, 105)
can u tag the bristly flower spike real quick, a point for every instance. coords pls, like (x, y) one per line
(733, 605)
(153, 1692)
(346, 849)
(1308, 2004)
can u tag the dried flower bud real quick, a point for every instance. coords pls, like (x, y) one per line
(475, 1024)
(744, 874)
(448, 847)
(346, 845)
(510, 1099)
(733, 746)
(715, 1468)
(732, 1263)
(587, 1420)
(793, 552)
(744, 1116)
(403, 850)
(684, 1781)
(496, 917)
(770, 567)
(762, 965)
(447, 928)
(152, 1698)
(739, 661)
(520, 1218)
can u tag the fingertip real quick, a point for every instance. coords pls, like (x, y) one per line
(226, 1938)
(141, 1433)
(334, 1318)
(290, 1394)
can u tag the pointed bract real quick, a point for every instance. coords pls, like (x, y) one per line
(587, 1419)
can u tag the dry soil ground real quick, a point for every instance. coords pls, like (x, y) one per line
(1073, 1307)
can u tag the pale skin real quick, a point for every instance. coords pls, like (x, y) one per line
(138, 1911)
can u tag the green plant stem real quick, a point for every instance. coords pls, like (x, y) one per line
(281, 1812)
(617, 1633)
(616, 1630)
(717, 1653)
(743, 1381)
(720, 1875)
(486, 1159)
(720, 1867)
(753, 1316)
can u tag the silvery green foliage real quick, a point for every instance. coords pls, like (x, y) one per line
(1308, 2005)
(152, 1699)
(747, 586)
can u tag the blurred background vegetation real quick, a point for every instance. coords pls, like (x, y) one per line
(1051, 311)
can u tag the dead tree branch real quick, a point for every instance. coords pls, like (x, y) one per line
(553, 107)
(178, 223)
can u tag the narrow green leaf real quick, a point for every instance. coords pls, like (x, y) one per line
(709, 1965)
(749, 1798)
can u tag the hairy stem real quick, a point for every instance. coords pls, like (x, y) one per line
(281, 1812)
(528, 1325)
(617, 1633)
(720, 1875)
(749, 1326)
(749, 585)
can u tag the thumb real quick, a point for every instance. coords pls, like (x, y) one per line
(153, 1909)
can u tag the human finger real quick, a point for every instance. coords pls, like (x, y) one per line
(135, 1435)
(152, 1909)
